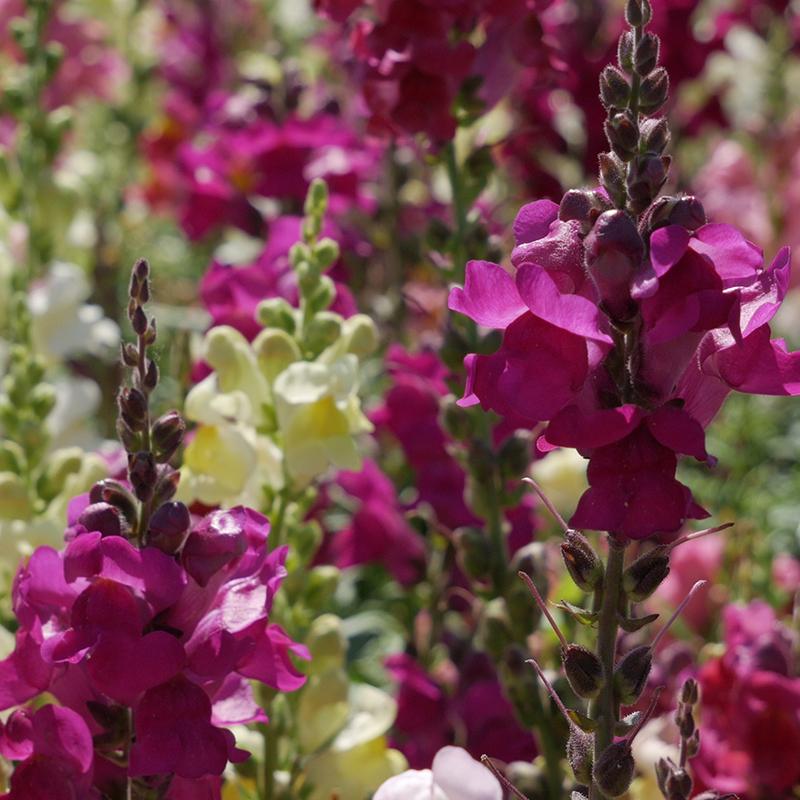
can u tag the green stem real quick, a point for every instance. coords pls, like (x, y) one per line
(606, 707)
(459, 212)
(270, 761)
(551, 749)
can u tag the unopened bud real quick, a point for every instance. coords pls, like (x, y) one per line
(580, 748)
(514, 456)
(693, 745)
(131, 440)
(583, 670)
(614, 770)
(475, 553)
(151, 376)
(361, 335)
(457, 421)
(139, 321)
(638, 13)
(631, 673)
(614, 251)
(275, 312)
(678, 783)
(169, 526)
(317, 198)
(622, 133)
(646, 56)
(129, 354)
(688, 212)
(582, 562)
(613, 175)
(275, 350)
(625, 52)
(645, 179)
(113, 492)
(690, 692)
(166, 485)
(323, 330)
(481, 461)
(133, 407)
(646, 574)
(143, 474)
(104, 518)
(655, 135)
(324, 294)
(326, 251)
(167, 435)
(614, 88)
(576, 204)
(494, 631)
(327, 642)
(654, 91)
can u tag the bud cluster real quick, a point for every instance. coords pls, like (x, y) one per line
(144, 510)
(636, 168)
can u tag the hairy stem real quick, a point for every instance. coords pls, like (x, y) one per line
(606, 708)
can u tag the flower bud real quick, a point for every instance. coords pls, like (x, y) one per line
(645, 58)
(481, 461)
(361, 335)
(612, 176)
(169, 526)
(323, 581)
(143, 474)
(514, 456)
(622, 133)
(583, 670)
(113, 492)
(690, 692)
(130, 441)
(693, 745)
(688, 212)
(580, 747)
(327, 643)
(582, 562)
(323, 295)
(324, 329)
(494, 631)
(678, 784)
(139, 321)
(625, 52)
(646, 574)
(654, 91)
(474, 552)
(655, 135)
(317, 198)
(576, 204)
(167, 435)
(326, 251)
(638, 13)
(129, 354)
(166, 486)
(614, 88)
(457, 421)
(133, 407)
(42, 400)
(631, 673)
(275, 350)
(645, 179)
(104, 518)
(614, 770)
(275, 312)
(614, 251)
(151, 376)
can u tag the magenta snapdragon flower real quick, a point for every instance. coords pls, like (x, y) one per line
(115, 632)
(690, 301)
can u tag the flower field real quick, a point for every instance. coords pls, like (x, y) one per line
(399, 400)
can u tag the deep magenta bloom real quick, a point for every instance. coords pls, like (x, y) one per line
(106, 627)
(692, 304)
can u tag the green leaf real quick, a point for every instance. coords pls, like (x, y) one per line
(633, 624)
(582, 615)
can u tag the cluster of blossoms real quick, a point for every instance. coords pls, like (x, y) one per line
(414, 59)
(147, 626)
(280, 410)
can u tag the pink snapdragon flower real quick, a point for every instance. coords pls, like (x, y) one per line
(454, 776)
(751, 709)
(690, 301)
(111, 630)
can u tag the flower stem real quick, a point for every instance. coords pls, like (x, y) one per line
(606, 706)
(460, 213)
(551, 749)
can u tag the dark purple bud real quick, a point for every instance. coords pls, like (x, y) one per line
(686, 725)
(167, 485)
(645, 179)
(580, 747)
(141, 269)
(655, 135)
(631, 673)
(614, 88)
(622, 133)
(614, 252)
(151, 334)
(679, 784)
(104, 518)
(113, 492)
(143, 474)
(144, 291)
(131, 441)
(690, 692)
(576, 204)
(214, 543)
(151, 376)
(139, 321)
(167, 434)
(645, 58)
(645, 574)
(583, 670)
(129, 354)
(133, 405)
(693, 745)
(689, 212)
(614, 770)
(612, 175)
(638, 13)
(582, 562)
(169, 526)
(654, 91)
(625, 52)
